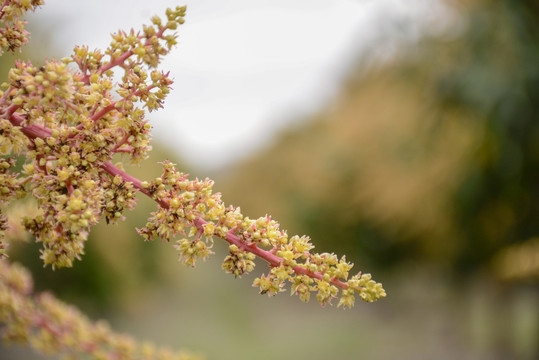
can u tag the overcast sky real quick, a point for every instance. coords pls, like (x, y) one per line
(244, 69)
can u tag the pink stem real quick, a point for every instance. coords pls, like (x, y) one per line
(6, 3)
(116, 61)
(103, 111)
(121, 59)
(112, 106)
(33, 131)
(4, 97)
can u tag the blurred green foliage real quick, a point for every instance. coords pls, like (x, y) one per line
(425, 171)
(495, 74)
(433, 157)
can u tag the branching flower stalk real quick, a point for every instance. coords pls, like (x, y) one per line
(12, 33)
(69, 124)
(53, 327)
(68, 118)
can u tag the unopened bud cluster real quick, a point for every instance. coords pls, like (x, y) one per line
(68, 125)
(190, 208)
(11, 187)
(12, 33)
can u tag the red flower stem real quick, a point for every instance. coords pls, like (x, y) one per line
(10, 110)
(5, 96)
(104, 111)
(121, 142)
(137, 184)
(33, 131)
(115, 62)
(112, 106)
(121, 59)
(128, 150)
(2, 13)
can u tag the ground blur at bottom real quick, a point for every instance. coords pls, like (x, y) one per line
(209, 312)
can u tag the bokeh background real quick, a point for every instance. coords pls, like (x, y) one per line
(412, 147)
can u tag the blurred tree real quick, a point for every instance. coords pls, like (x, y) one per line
(495, 74)
(433, 156)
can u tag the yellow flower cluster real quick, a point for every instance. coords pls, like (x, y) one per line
(12, 33)
(12, 140)
(190, 208)
(238, 262)
(53, 327)
(11, 187)
(75, 121)
(3, 228)
(67, 119)
(69, 124)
